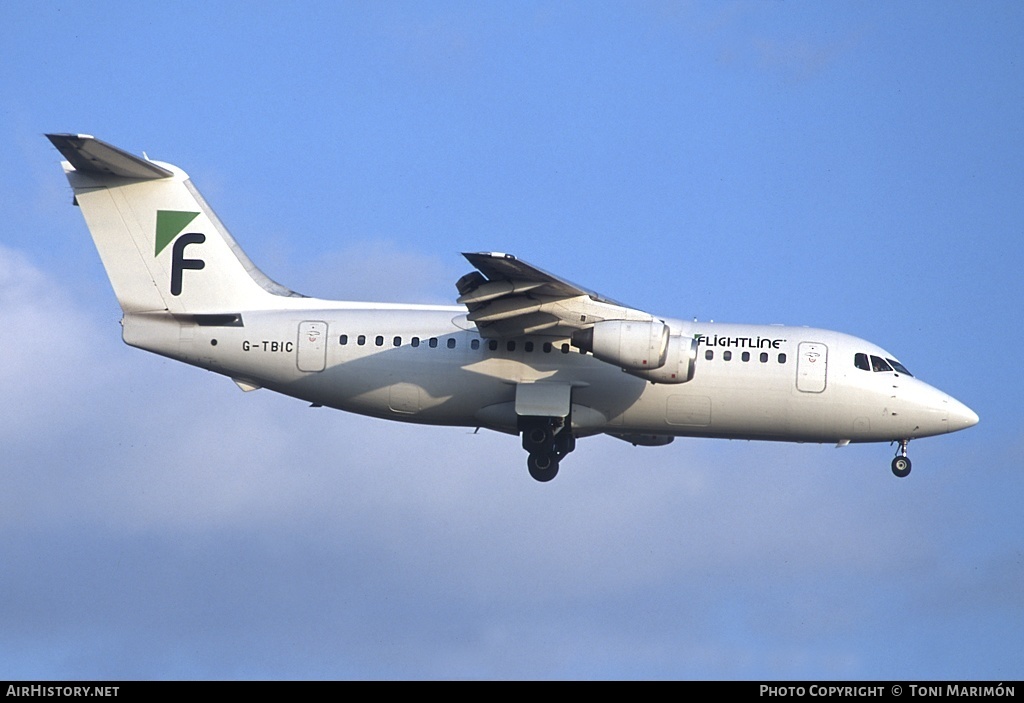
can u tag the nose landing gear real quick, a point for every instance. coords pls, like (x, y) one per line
(901, 464)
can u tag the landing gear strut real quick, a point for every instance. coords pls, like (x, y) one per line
(901, 464)
(547, 440)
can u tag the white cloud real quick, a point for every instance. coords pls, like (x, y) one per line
(369, 270)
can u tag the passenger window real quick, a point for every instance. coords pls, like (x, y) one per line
(415, 342)
(492, 345)
(379, 341)
(861, 362)
(451, 342)
(432, 342)
(782, 358)
(709, 354)
(361, 340)
(528, 346)
(547, 347)
(474, 344)
(511, 346)
(745, 356)
(565, 348)
(727, 356)
(764, 357)
(397, 341)
(344, 339)
(879, 364)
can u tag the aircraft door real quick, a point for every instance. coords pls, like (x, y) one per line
(312, 346)
(811, 365)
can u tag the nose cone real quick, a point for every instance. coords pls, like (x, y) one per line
(934, 412)
(960, 416)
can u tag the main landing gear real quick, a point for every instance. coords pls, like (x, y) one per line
(901, 464)
(547, 440)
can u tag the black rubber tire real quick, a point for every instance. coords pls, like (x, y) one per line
(543, 467)
(901, 467)
(538, 439)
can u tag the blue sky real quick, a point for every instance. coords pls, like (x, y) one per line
(856, 166)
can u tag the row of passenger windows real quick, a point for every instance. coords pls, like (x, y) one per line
(877, 363)
(546, 347)
(744, 356)
(452, 343)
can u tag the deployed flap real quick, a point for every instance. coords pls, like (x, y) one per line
(505, 267)
(91, 155)
(507, 297)
(543, 399)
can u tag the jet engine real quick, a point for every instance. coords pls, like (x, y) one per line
(634, 346)
(679, 362)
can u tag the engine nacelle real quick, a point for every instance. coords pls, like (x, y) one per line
(635, 346)
(680, 362)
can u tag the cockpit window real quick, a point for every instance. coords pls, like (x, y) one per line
(879, 364)
(900, 368)
(861, 362)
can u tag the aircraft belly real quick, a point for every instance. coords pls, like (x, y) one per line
(612, 394)
(405, 398)
(425, 395)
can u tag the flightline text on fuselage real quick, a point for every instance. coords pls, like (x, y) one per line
(740, 342)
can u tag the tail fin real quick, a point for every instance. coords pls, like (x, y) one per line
(162, 246)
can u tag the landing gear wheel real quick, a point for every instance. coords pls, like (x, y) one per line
(537, 439)
(543, 467)
(901, 466)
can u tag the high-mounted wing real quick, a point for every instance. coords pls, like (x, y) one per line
(507, 297)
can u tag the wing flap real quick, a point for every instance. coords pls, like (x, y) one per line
(507, 297)
(504, 308)
(497, 289)
(541, 323)
(505, 267)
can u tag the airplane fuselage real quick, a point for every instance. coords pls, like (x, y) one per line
(428, 364)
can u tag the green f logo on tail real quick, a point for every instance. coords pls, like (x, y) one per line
(169, 224)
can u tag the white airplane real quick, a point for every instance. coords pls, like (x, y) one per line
(524, 352)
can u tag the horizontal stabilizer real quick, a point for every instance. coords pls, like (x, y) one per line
(91, 155)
